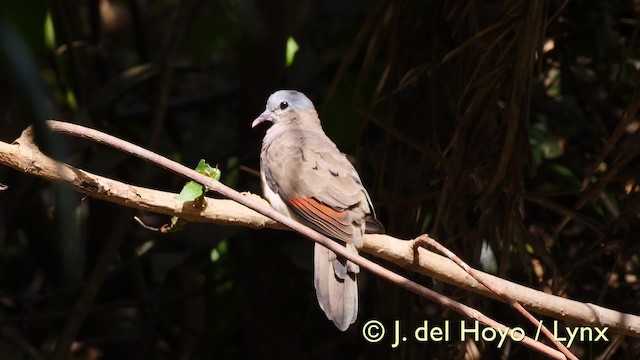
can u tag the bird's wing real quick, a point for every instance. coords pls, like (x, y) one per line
(318, 182)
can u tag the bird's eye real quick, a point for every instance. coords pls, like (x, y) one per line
(284, 105)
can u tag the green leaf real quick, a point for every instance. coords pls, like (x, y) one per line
(292, 49)
(218, 251)
(191, 191)
(71, 100)
(49, 32)
(207, 170)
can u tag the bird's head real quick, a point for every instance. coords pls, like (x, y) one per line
(288, 107)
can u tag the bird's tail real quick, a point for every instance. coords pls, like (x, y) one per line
(336, 285)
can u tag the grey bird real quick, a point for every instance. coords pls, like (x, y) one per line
(305, 176)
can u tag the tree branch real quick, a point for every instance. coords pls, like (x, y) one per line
(24, 156)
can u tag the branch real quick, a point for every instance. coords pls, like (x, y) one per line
(426, 240)
(24, 156)
(267, 210)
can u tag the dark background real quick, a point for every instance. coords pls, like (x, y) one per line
(505, 124)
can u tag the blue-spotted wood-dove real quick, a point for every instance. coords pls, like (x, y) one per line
(306, 177)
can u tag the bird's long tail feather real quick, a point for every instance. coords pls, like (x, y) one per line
(336, 286)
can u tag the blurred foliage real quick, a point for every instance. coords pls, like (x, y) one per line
(506, 129)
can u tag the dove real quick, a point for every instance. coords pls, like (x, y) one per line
(305, 177)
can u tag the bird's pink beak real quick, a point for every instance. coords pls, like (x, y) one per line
(265, 116)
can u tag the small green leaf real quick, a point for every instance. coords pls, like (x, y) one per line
(292, 49)
(207, 170)
(215, 255)
(193, 191)
(71, 100)
(203, 167)
(190, 192)
(49, 32)
(216, 174)
(218, 251)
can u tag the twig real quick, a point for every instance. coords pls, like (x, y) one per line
(427, 240)
(141, 223)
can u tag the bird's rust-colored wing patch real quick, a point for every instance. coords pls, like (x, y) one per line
(320, 209)
(332, 222)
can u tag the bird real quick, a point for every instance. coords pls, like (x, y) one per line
(305, 177)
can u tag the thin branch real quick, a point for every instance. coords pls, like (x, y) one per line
(25, 157)
(427, 240)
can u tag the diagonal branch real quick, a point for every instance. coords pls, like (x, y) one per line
(24, 156)
(261, 207)
(426, 240)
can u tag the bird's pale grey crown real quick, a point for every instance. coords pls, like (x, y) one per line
(282, 102)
